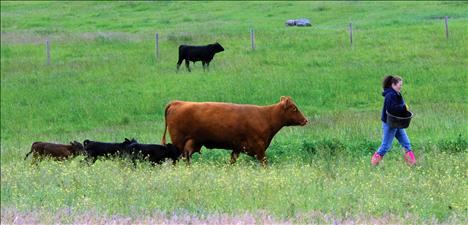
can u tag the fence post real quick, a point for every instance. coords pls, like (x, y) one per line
(351, 33)
(48, 51)
(446, 27)
(252, 38)
(157, 46)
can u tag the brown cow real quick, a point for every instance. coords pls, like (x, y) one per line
(241, 128)
(57, 151)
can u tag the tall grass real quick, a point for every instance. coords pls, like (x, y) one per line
(208, 186)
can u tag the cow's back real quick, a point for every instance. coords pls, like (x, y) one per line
(38, 146)
(95, 148)
(57, 150)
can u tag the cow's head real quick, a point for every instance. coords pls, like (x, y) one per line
(77, 147)
(291, 114)
(216, 47)
(128, 143)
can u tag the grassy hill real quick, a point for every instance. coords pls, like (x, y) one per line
(104, 83)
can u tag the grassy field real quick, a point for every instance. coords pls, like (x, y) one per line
(104, 83)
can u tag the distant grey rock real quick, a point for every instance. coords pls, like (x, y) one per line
(299, 22)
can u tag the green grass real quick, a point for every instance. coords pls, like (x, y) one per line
(105, 84)
(331, 186)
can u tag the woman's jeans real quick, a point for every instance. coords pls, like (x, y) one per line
(388, 135)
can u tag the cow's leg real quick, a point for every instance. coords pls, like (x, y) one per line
(189, 148)
(261, 157)
(134, 161)
(92, 159)
(234, 156)
(179, 62)
(196, 148)
(204, 64)
(187, 64)
(35, 159)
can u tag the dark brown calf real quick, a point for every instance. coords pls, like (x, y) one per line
(241, 128)
(56, 151)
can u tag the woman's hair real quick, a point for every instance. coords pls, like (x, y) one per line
(389, 80)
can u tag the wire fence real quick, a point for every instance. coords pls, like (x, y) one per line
(252, 41)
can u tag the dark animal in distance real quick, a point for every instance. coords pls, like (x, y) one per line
(56, 151)
(156, 154)
(96, 149)
(203, 53)
(241, 128)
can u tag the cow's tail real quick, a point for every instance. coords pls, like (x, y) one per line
(32, 149)
(163, 141)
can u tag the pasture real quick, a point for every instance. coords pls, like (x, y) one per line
(104, 83)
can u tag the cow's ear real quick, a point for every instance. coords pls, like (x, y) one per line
(71, 143)
(126, 139)
(285, 101)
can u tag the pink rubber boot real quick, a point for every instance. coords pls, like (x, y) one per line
(376, 158)
(409, 158)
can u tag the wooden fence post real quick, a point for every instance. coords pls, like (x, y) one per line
(446, 27)
(48, 51)
(157, 46)
(252, 38)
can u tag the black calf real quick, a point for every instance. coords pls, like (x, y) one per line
(154, 153)
(204, 53)
(95, 149)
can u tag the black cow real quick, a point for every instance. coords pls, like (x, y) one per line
(154, 153)
(203, 53)
(95, 149)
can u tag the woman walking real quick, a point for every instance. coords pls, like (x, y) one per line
(395, 105)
